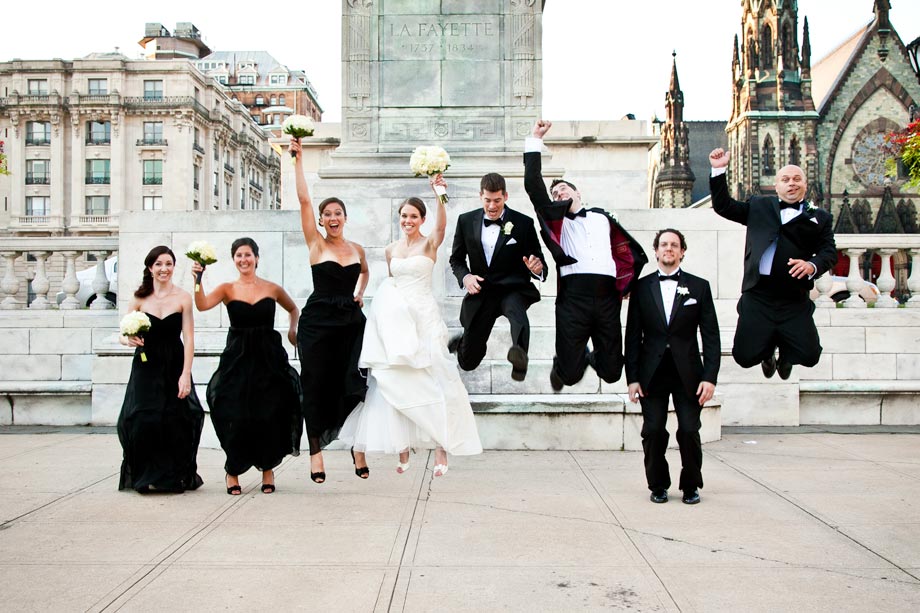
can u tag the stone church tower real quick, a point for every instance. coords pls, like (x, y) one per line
(773, 121)
(674, 182)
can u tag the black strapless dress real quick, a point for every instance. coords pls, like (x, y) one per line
(255, 393)
(329, 337)
(158, 431)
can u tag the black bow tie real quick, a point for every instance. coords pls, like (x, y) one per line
(488, 222)
(787, 205)
(674, 277)
(582, 212)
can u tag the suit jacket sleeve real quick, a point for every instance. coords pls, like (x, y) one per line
(536, 189)
(633, 344)
(709, 333)
(725, 205)
(458, 254)
(826, 254)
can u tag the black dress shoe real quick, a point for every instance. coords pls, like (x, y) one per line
(784, 369)
(691, 496)
(518, 358)
(454, 343)
(659, 495)
(768, 366)
(555, 380)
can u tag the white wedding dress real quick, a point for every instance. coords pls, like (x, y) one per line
(415, 397)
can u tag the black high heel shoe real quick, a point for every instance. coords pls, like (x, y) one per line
(318, 477)
(364, 472)
(269, 488)
(233, 490)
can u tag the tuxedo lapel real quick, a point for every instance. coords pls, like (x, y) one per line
(502, 240)
(678, 300)
(654, 288)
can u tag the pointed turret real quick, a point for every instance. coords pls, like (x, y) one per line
(883, 24)
(806, 51)
(674, 183)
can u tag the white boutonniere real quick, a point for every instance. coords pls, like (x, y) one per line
(810, 207)
(507, 228)
(683, 291)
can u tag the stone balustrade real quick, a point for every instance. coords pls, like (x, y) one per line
(886, 246)
(16, 277)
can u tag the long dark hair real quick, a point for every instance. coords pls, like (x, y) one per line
(146, 287)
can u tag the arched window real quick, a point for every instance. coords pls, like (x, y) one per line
(766, 47)
(281, 99)
(795, 151)
(768, 156)
(752, 60)
(274, 100)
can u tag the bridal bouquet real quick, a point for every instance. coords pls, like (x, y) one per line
(298, 126)
(430, 160)
(135, 323)
(203, 253)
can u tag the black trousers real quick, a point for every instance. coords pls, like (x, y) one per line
(767, 321)
(588, 307)
(666, 383)
(477, 316)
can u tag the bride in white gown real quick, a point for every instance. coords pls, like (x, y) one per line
(415, 397)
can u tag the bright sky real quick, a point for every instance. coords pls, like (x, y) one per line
(602, 58)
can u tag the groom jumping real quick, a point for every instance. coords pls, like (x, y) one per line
(495, 255)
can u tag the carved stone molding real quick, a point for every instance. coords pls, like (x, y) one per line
(523, 37)
(358, 45)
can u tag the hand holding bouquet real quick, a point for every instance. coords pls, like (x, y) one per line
(430, 160)
(133, 325)
(203, 253)
(298, 126)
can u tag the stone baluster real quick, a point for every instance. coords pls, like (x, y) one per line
(823, 284)
(41, 285)
(854, 280)
(886, 281)
(71, 285)
(913, 282)
(10, 284)
(101, 283)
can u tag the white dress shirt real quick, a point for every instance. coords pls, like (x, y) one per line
(489, 239)
(587, 239)
(668, 294)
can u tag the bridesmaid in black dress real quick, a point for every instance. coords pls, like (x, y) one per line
(331, 326)
(160, 422)
(255, 393)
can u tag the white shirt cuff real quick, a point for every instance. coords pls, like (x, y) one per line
(719, 171)
(532, 144)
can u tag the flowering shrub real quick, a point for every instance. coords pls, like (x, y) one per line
(904, 145)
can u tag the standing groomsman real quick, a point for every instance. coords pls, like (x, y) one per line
(495, 255)
(789, 243)
(666, 308)
(597, 262)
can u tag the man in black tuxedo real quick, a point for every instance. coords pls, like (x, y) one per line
(666, 308)
(495, 255)
(597, 262)
(790, 242)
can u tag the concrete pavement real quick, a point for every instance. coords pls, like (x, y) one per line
(790, 520)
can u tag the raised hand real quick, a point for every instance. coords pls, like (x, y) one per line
(541, 128)
(437, 179)
(719, 158)
(296, 148)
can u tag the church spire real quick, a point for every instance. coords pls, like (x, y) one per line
(674, 183)
(883, 24)
(806, 52)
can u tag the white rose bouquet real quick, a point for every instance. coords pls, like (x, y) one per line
(298, 126)
(135, 323)
(430, 160)
(203, 253)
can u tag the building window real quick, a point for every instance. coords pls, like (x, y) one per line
(277, 79)
(795, 151)
(98, 87)
(97, 172)
(222, 79)
(196, 174)
(153, 203)
(216, 183)
(274, 101)
(153, 172)
(38, 87)
(281, 99)
(768, 155)
(247, 79)
(260, 100)
(216, 154)
(197, 137)
(242, 198)
(153, 132)
(97, 205)
(38, 206)
(38, 172)
(153, 90)
(98, 132)
(38, 132)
